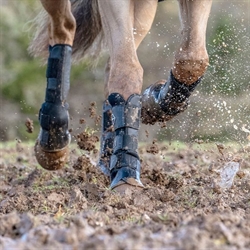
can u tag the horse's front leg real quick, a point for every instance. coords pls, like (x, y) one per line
(51, 148)
(124, 88)
(162, 101)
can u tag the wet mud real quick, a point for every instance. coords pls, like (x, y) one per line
(181, 207)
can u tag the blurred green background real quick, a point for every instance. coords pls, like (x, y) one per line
(219, 109)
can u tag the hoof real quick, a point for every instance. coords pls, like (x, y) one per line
(131, 185)
(51, 160)
(149, 111)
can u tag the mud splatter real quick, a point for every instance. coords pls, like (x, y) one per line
(153, 148)
(87, 141)
(29, 125)
(93, 113)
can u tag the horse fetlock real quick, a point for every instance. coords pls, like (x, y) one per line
(53, 119)
(124, 162)
(189, 71)
(191, 62)
(127, 71)
(161, 102)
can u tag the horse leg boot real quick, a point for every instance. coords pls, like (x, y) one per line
(124, 163)
(51, 148)
(107, 138)
(162, 101)
(119, 142)
(124, 78)
(142, 26)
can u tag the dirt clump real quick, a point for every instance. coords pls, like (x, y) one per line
(87, 141)
(153, 148)
(93, 113)
(29, 125)
(82, 162)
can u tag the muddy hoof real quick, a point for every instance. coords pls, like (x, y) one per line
(150, 108)
(131, 185)
(51, 160)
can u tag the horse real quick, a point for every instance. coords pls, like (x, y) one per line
(67, 30)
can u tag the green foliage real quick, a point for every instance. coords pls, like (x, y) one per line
(23, 80)
(25, 88)
(20, 71)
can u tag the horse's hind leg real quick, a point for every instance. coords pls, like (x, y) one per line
(52, 144)
(191, 59)
(163, 101)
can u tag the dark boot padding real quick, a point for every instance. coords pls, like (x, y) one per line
(125, 162)
(53, 115)
(162, 102)
(107, 138)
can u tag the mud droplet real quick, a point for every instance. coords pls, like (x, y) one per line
(29, 126)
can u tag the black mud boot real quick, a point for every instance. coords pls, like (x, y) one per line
(53, 115)
(107, 138)
(125, 163)
(161, 102)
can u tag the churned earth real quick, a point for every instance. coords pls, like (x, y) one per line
(183, 205)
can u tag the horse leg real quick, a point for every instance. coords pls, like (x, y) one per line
(124, 87)
(144, 14)
(161, 102)
(51, 148)
(141, 27)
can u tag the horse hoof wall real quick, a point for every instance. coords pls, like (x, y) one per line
(51, 160)
(131, 185)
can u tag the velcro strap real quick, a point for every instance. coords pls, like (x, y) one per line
(107, 119)
(124, 116)
(52, 67)
(52, 115)
(118, 116)
(123, 160)
(44, 137)
(52, 84)
(125, 142)
(51, 91)
(133, 116)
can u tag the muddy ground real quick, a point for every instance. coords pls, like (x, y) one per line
(181, 207)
